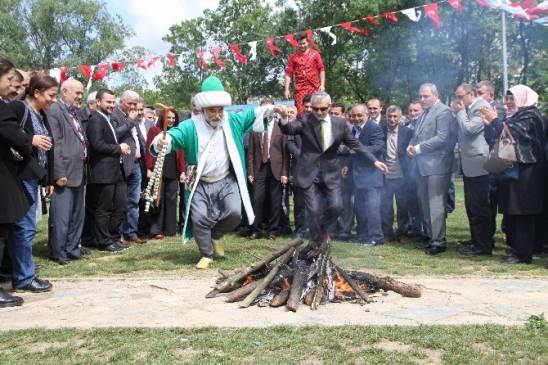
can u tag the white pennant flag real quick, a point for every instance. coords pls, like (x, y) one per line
(90, 77)
(413, 14)
(253, 51)
(180, 61)
(55, 73)
(332, 35)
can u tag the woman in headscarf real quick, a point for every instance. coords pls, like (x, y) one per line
(163, 220)
(521, 199)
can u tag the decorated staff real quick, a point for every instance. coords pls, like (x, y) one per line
(154, 187)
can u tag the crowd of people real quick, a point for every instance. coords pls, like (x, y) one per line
(345, 167)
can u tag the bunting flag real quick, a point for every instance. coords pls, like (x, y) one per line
(63, 74)
(101, 72)
(457, 4)
(56, 74)
(142, 63)
(180, 61)
(516, 11)
(413, 14)
(171, 62)
(41, 72)
(216, 52)
(481, 2)
(494, 4)
(253, 50)
(117, 66)
(236, 50)
(91, 69)
(310, 35)
(371, 19)
(200, 53)
(329, 33)
(390, 16)
(432, 12)
(291, 39)
(152, 61)
(350, 28)
(272, 47)
(86, 70)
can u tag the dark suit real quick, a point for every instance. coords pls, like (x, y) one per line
(66, 217)
(395, 185)
(382, 121)
(84, 115)
(436, 136)
(368, 182)
(294, 144)
(318, 171)
(267, 177)
(133, 168)
(107, 179)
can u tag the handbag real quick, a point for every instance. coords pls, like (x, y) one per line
(503, 154)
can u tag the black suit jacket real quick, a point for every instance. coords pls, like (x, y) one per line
(104, 157)
(362, 171)
(312, 158)
(404, 136)
(123, 125)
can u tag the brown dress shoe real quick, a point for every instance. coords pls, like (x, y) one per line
(402, 239)
(272, 236)
(138, 240)
(124, 241)
(254, 236)
(326, 237)
(465, 242)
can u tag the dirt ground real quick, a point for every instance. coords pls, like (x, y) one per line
(181, 302)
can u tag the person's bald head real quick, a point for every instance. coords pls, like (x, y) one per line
(72, 92)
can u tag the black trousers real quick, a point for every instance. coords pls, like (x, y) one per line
(520, 234)
(165, 222)
(6, 231)
(323, 207)
(88, 232)
(266, 184)
(110, 212)
(478, 210)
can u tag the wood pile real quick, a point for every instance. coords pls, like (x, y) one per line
(293, 275)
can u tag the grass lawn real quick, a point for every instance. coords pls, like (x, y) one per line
(482, 345)
(169, 257)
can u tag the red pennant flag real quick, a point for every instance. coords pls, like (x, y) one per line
(142, 63)
(200, 53)
(481, 2)
(432, 12)
(350, 28)
(171, 62)
(152, 61)
(216, 52)
(310, 34)
(41, 72)
(291, 39)
(63, 75)
(236, 50)
(101, 72)
(457, 4)
(86, 70)
(272, 47)
(372, 19)
(389, 16)
(30, 72)
(117, 66)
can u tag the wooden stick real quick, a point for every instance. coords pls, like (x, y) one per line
(387, 283)
(318, 293)
(353, 284)
(255, 267)
(300, 274)
(166, 111)
(240, 294)
(267, 279)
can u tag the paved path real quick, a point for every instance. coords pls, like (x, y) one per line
(171, 302)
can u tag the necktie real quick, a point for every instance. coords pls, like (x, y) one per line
(79, 130)
(357, 131)
(423, 118)
(322, 134)
(265, 147)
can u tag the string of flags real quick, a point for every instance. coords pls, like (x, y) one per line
(525, 10)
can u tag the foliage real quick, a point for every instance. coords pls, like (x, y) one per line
(537, 322)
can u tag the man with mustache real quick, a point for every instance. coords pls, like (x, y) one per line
(216, 177)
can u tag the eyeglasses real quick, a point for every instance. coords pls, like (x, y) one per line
(320, 109)
(460, 97)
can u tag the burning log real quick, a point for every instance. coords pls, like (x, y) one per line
(387, 283)
(282, 297)
(239, 294)
(255, 267)
(324, 260)
(353, 284)
(267, 279)
(300, 275)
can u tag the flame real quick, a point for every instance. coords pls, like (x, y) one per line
(247, 280)
(343, 290)
(286, 285)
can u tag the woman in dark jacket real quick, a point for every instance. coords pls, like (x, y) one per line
(521, 199)
(164, 222)
(41, 93)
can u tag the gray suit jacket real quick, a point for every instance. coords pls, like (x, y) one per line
(473, 148)
(68, 157)
(437, 136)
(123, 125)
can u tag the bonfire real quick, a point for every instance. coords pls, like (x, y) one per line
(294, 274)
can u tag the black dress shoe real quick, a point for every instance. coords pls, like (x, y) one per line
(84, 251)
(434, 250)
(62, 262)
(423, 247)
(5, 278)
(254, 236)
(7, 300)
(473, 251)
(371, 244)
(112, 248)
(37, 285)
(514, 259)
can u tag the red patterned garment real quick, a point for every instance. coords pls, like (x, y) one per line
(306, 67)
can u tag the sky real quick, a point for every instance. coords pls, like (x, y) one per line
(151, 19)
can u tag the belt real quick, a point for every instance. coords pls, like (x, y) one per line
(214, 178)
(138, 160)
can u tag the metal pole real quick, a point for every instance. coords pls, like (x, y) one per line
(504, 59)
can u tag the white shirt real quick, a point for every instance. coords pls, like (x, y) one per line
(217, 161)
(143, 129)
